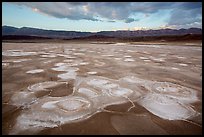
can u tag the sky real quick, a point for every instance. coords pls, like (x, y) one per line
(102, 16)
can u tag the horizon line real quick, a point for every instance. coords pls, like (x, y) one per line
(100, 31)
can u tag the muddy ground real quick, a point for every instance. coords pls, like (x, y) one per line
(178, 63)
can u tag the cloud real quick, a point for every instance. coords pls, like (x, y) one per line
(182, 12)
(189, 15)
(129, 20)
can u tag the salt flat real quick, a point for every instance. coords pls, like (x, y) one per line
(64, 87)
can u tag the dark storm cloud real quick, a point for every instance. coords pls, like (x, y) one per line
(182, 12)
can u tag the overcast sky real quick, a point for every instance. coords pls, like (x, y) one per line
(102, 16)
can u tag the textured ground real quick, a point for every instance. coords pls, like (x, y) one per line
(90, 88)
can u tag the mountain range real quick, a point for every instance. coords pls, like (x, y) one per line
(26, 31)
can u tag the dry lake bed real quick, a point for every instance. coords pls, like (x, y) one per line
(100, 88)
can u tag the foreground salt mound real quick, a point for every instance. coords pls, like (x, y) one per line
(166, 107)
(52, 112)
(180, 93)
(92, 94)
(164, 99)
(43, 86)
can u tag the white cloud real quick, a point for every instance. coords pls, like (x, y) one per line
(183, 13)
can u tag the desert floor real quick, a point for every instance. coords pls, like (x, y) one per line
(100, 88)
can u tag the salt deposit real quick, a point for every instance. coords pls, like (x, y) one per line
(92, 72)
(17, 53)
(166, 107)
(19, 60)
(117, 58)
(99, 63)
(107, 55)
(49, 56)
(43, 85)
(65, 68)
(97, 82)
(158, 59)
(87, 92)
(127, 56)
(5, 64)
(84, 63)
(59, 64)
(164, 99)
(175, 68)
(129, 60)
(181, 57)
(81, 54)
(183, 65)
(143, 58)
(52, 112)
(71, 74)
(69, 57)
(22, 98)
(121, 92)
(147, 60)
(35, 71)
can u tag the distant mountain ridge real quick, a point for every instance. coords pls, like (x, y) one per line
(26, 31)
